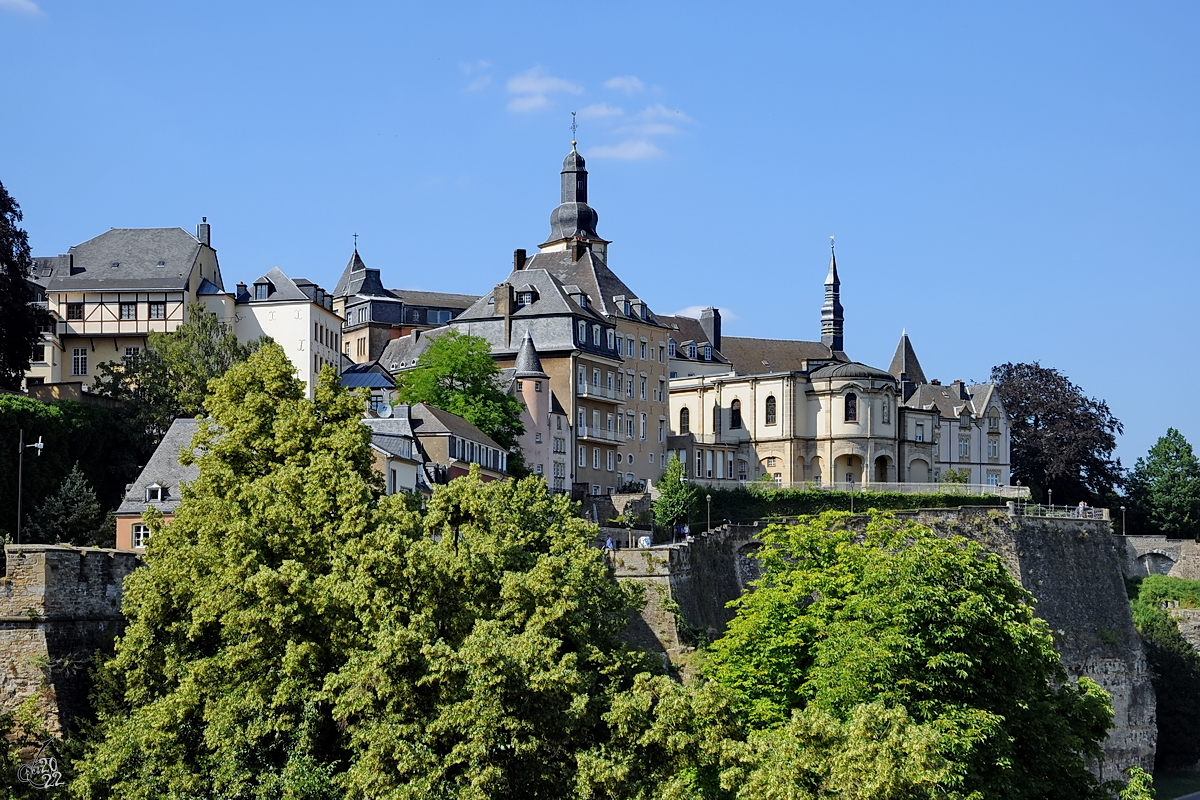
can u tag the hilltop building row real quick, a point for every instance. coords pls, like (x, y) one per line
(611, 388)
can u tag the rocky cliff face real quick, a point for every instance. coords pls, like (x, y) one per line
(1072, 567)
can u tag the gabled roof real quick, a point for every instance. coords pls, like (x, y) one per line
(388, 435)
(689, 329)
(949, 400)
(207, 287)
(405, 351)
(145, 258)
(284, 289)
(756, 356)
(591, 274)
(428, 420)
(164, 469)
(357, 278)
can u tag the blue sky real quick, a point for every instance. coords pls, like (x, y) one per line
(1008, 182)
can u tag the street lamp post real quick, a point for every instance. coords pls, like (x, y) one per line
(21, 473)
(708, 524)
(1123, 531)
(1050, 502)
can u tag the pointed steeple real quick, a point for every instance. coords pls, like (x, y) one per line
(831, 312)
(357, 278)
(906, 367)
(528, 364)
(574, 218)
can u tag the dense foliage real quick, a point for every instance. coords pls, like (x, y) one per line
(72, 515)
(676, 497)
(20, 330)
(768, 503)
(1174, 667)
(1164, 489)
(457, 374)
(105, 442)
(965, 689)
(169, 379)
(1062, 440)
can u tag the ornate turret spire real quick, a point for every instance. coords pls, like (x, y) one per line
(574, 219)
(831, 312)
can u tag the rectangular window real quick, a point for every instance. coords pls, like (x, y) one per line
(39, 355)
(610, 460)
(642, 352)
(993, 447)
(596, 378)
(595, 458)
(920, 435)
(964, 446)
(608, 423)
(629, 427)
(79, 358)
(582, 456)
(596, 419)
(699, 462)
(537, 437)
(993, 478)
(660, 355)
(158, 311)
(74, 310)
(582, 419)
(662, 431)
(596, 335)
(643, 429)
(629, 348)
(131, 352)
(771, 461)
(993, 423)
(629, 386)
(260, 292)
(582, 378)
(610, 382)
(643, 389)
(128, 310)
(141, 535)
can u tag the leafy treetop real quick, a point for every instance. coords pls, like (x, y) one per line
(22, 322)
(1164, 488)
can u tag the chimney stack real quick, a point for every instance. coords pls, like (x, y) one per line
(519, 259)
(241, 289)
(204, 232)
(710, 321)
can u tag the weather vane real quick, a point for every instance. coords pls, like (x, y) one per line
(574, 127)
(830, 242)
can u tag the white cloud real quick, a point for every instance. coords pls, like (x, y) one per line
(625, 83)
(467, 67)
(482, 82)
(533, 102)
(630, 150)
(694, 313)
(21, 7)
(659, 112)
(535, 81)
(648, 129)
(600, 111)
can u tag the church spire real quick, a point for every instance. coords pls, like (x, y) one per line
(831, 312)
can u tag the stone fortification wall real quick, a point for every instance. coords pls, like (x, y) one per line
(1072, 567)
(1158, 555)
(58, 605)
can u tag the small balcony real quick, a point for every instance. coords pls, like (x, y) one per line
(584, 433)
(586, 391)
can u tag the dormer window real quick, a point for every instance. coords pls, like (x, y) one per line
(708, 352)
(964, 420)
(596, 335)
(155, 493)
(582, 332)
(671, 348)
(612, 339)
(261, 291)
(691, 350)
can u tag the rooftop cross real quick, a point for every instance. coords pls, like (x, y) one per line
(574, 127)
(356, 242)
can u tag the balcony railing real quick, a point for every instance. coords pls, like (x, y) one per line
(584, 432)
(971, 489)
(587, 391)
(1023, 508)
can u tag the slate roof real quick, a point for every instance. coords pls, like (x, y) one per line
(405, 351)
(528, 364)
(592, 275)
(368, 380)
(137, 252)
(164, 469)
(283, 289)
(781, 355)
(953, 399)
(207, 287)
(357, 278)
(433, 299)
(689, 329)
(388, 435)
(849, 370)
(905, 364)
(428, 420)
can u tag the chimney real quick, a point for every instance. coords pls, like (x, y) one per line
(503, 297)
(519, 259)
(710, 321)
(415, 334)
(241, 289)
(204, 232)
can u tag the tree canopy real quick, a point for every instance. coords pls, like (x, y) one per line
(676, 496)
(72, 515)
(887, 645)
(1061, 439)
(169, 379)
(1164, 488)
(22, 322)
(457, 374)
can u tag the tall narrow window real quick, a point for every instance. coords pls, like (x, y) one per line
(851, 407)
(685, 420)
(79, 361)
(735, 414)
(887, 411)
(771, 410)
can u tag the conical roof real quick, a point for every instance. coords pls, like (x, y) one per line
(357, 278)
(905, 364)
(528, 364)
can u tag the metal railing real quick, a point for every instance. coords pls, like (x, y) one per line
(584, 432)
(1023, 508)
(586, 390)
(971, 489)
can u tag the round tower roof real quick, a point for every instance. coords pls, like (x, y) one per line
(852, 369)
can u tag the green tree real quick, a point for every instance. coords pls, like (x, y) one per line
(457, 374)
(236, 621)
(1164, 488)
(955, 475)
(676, 497)
(1140, 785)
(170, 378)
(72, 515)
(22, 322)
(1062, 439)
(488, 655)
(888, 613)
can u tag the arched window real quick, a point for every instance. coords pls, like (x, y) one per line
(771, 410)
(685, 420)
(887, 411)
(852, 407)
(735, 414)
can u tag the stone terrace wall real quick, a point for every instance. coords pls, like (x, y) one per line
(1158, 555)
(1072, 568)
(58, 605)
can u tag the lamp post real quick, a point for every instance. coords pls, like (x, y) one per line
(1050, 502)
(708, 524)
(21, 473)
(1123, 531)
